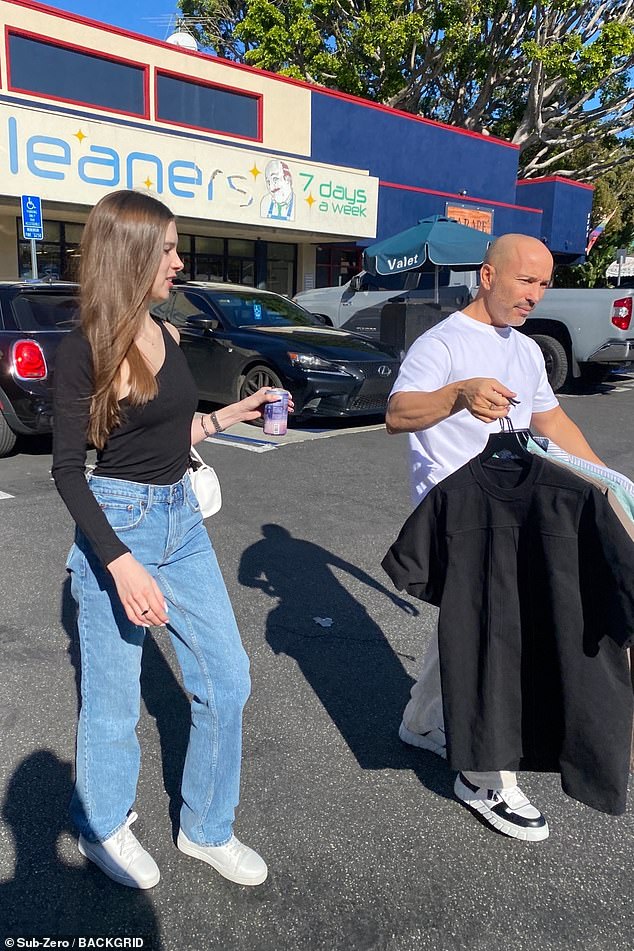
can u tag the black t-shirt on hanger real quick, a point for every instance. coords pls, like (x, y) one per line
(534, 577)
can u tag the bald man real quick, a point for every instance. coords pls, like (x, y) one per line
(456, 381)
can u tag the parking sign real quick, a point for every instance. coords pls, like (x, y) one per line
(32, 227)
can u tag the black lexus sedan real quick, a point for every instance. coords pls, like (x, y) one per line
(237, 339)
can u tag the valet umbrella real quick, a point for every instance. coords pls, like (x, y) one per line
(436, 240)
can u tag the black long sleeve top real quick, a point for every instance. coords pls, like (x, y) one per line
(151, 444)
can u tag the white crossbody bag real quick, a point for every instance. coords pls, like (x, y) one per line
(205, 484)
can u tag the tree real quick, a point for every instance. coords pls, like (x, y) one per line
(613, 200)
(552, 76)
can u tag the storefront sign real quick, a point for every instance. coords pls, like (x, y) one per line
(73, 160)
(472, 216)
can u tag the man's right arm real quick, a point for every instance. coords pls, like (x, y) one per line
(485, 398)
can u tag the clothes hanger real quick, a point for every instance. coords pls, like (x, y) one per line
(508, 443)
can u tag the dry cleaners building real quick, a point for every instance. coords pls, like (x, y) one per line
(275, 183)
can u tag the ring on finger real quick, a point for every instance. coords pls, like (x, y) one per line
(147, 611)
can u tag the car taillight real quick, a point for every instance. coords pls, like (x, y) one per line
(622, 313)
(28, 361)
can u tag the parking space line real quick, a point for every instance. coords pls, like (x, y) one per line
(618, 382)
(328, 433)
(5, 495)
(241, 436)
(241, 442)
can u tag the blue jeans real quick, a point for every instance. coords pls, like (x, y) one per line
(163, 528)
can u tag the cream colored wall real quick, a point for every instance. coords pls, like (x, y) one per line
(286, 107)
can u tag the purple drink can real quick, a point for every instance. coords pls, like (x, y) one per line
(276, 414)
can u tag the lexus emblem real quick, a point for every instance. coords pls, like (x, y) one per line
(385, 370)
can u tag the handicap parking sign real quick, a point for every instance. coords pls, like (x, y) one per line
(32, 227)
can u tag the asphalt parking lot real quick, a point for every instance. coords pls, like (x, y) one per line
(367, 849)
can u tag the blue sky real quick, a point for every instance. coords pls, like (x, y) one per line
(149, 17)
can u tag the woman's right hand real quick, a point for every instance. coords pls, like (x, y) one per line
(140, 595)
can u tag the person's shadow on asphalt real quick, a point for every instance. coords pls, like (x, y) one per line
(350, 665)
(47, 896)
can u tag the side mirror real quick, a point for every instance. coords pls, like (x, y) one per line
(200, 322)
(323, 319)
(356, 282)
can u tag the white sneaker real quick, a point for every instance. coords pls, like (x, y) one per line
(432, 740)
(122, 857)
(507, 810)
(234, 861)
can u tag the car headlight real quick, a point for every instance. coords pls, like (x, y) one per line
(310, 362)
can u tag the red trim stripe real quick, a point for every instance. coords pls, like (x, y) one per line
(554, 178)
(479, 201)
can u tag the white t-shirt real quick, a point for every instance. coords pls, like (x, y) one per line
(460, 348)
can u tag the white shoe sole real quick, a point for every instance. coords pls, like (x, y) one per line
(463, 794)
(421, 741)
(121, 878)
(198, 852)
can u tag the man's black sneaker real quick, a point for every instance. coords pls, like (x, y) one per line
(507, 810)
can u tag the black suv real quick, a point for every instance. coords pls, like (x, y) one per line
(33, 317)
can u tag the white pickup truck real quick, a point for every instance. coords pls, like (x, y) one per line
(357, 305)
(582, 332)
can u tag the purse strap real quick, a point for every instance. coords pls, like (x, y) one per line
(195, 459)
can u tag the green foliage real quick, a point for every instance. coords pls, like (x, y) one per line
(584, 67)
(614, 193)
(360, 48)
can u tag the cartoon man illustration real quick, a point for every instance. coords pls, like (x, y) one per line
(279, 203)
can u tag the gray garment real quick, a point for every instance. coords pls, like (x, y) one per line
(424, 713)
(625, 518)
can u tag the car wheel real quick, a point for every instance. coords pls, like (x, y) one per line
(255, 378)
(7, 437)
(555, 358)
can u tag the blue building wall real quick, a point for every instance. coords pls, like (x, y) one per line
(400, 209)
(402, 149)
(444, 162)
(567, 207)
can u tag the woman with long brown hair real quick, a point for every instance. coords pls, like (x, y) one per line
(141, 555)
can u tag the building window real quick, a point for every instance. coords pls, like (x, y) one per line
(213, 108)
(336, 264)
(55, 71)
(209, 257)
(241, 261)
(57, 255)
(281, 267)
(264, 264)
(217, 259)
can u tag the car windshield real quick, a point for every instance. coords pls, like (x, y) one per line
(49, 311)
(245, 309)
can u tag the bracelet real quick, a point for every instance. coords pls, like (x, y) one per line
(205, 430)
(214, 420)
